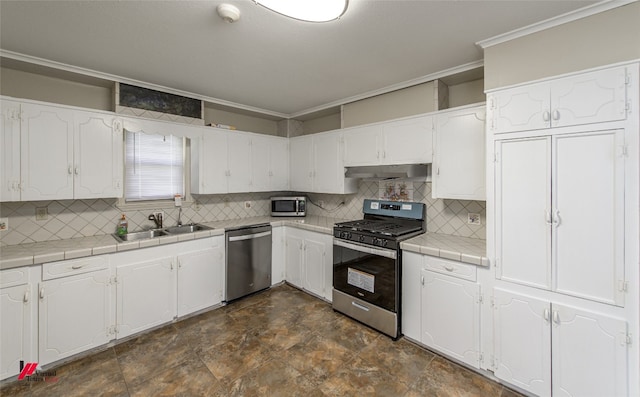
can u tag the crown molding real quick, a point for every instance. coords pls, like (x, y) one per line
(555, 21)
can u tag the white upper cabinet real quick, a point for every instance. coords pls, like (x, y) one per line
(225, 161)
(402, 141)
(269, 163)
(317, 164)
(239, 162)
(581, 99)
(46, 161)
(52, 153)
(98, 156)
(10, 161)
(209, 162)
(546, 209)
(459, 154)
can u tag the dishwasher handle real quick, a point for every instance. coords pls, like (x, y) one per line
(249, 236)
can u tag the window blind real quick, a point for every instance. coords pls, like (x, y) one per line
(154, 166)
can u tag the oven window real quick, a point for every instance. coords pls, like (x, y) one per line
(369, 277)
(283, 206)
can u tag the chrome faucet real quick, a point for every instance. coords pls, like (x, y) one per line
(157, 218)
(179, 214)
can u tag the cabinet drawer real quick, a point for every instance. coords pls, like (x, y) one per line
(13, 277)
(452, 268)
(77, 266)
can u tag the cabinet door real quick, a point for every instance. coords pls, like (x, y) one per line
(459, 155)
(589, 260)
(46, 155)
(277, 255)
(451, 316)
(522, 341)
(408, 141)
(362, 145)
(209, 163)
(200, 279)
(589, 98)
(294, 258)
(98, 151)
(75, 315)
(15, 329)
(314, 267)
(146, 295)
(279, 164)
(589, 353)
(260, 164)
(10, 151)
(520, 109)
(328, 168)
(301, 163)
(411, 294)
(523, 211)
(239, 161)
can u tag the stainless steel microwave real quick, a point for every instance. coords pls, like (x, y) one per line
(288, 206)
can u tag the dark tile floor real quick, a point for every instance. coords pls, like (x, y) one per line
(281, 342)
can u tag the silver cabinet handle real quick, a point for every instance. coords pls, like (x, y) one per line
(359, 306)
(545, 115)
(556, 217)
(69, 169)
(556, 114)
(547, 217)
(77, 170)
(546, 315)
(42, 293)
(249, 236)
(26, 296)
(76, 267)
(556, 317)
(422, 280)
(449, 268)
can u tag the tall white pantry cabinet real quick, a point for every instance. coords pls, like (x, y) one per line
(562, 182)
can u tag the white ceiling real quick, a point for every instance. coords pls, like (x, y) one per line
(265, 61)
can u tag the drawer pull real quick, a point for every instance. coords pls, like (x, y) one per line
(449, 268)
(76, 267)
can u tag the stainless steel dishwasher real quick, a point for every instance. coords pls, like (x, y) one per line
(248, 260)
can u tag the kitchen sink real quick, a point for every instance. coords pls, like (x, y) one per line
(186, 229)
(141, 235)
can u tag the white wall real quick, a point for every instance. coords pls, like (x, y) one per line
(601, 39)
(38, 87)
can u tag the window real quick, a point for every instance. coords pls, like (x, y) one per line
(154, 166)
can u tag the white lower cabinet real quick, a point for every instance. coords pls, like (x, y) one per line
(442, 311)
(75, 310)
(309, 261)
(200, 284)
(550, 348)
(17, 321)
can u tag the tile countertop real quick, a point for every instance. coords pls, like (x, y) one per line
(451, 247)
(12, 256)
(462, 249)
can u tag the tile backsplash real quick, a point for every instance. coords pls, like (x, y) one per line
(82, 218)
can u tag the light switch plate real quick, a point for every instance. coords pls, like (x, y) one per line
(42, 213)
(4, 224)
(473, 219)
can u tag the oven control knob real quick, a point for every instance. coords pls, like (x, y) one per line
(384, 243)
(345, 235)
(361, 238)
(375, 241)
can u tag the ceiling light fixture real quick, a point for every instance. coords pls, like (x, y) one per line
(229, 13)
(307, 10)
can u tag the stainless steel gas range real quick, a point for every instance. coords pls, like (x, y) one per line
(367, 262)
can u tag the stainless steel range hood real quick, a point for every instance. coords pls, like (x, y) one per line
(383, 172)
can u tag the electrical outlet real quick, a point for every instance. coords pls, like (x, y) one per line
(4, 224)
(473, 219)
(320, 203)
(247, 204)
(42, 213)
(226, 201)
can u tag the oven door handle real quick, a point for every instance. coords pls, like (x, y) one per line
(369, 250)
